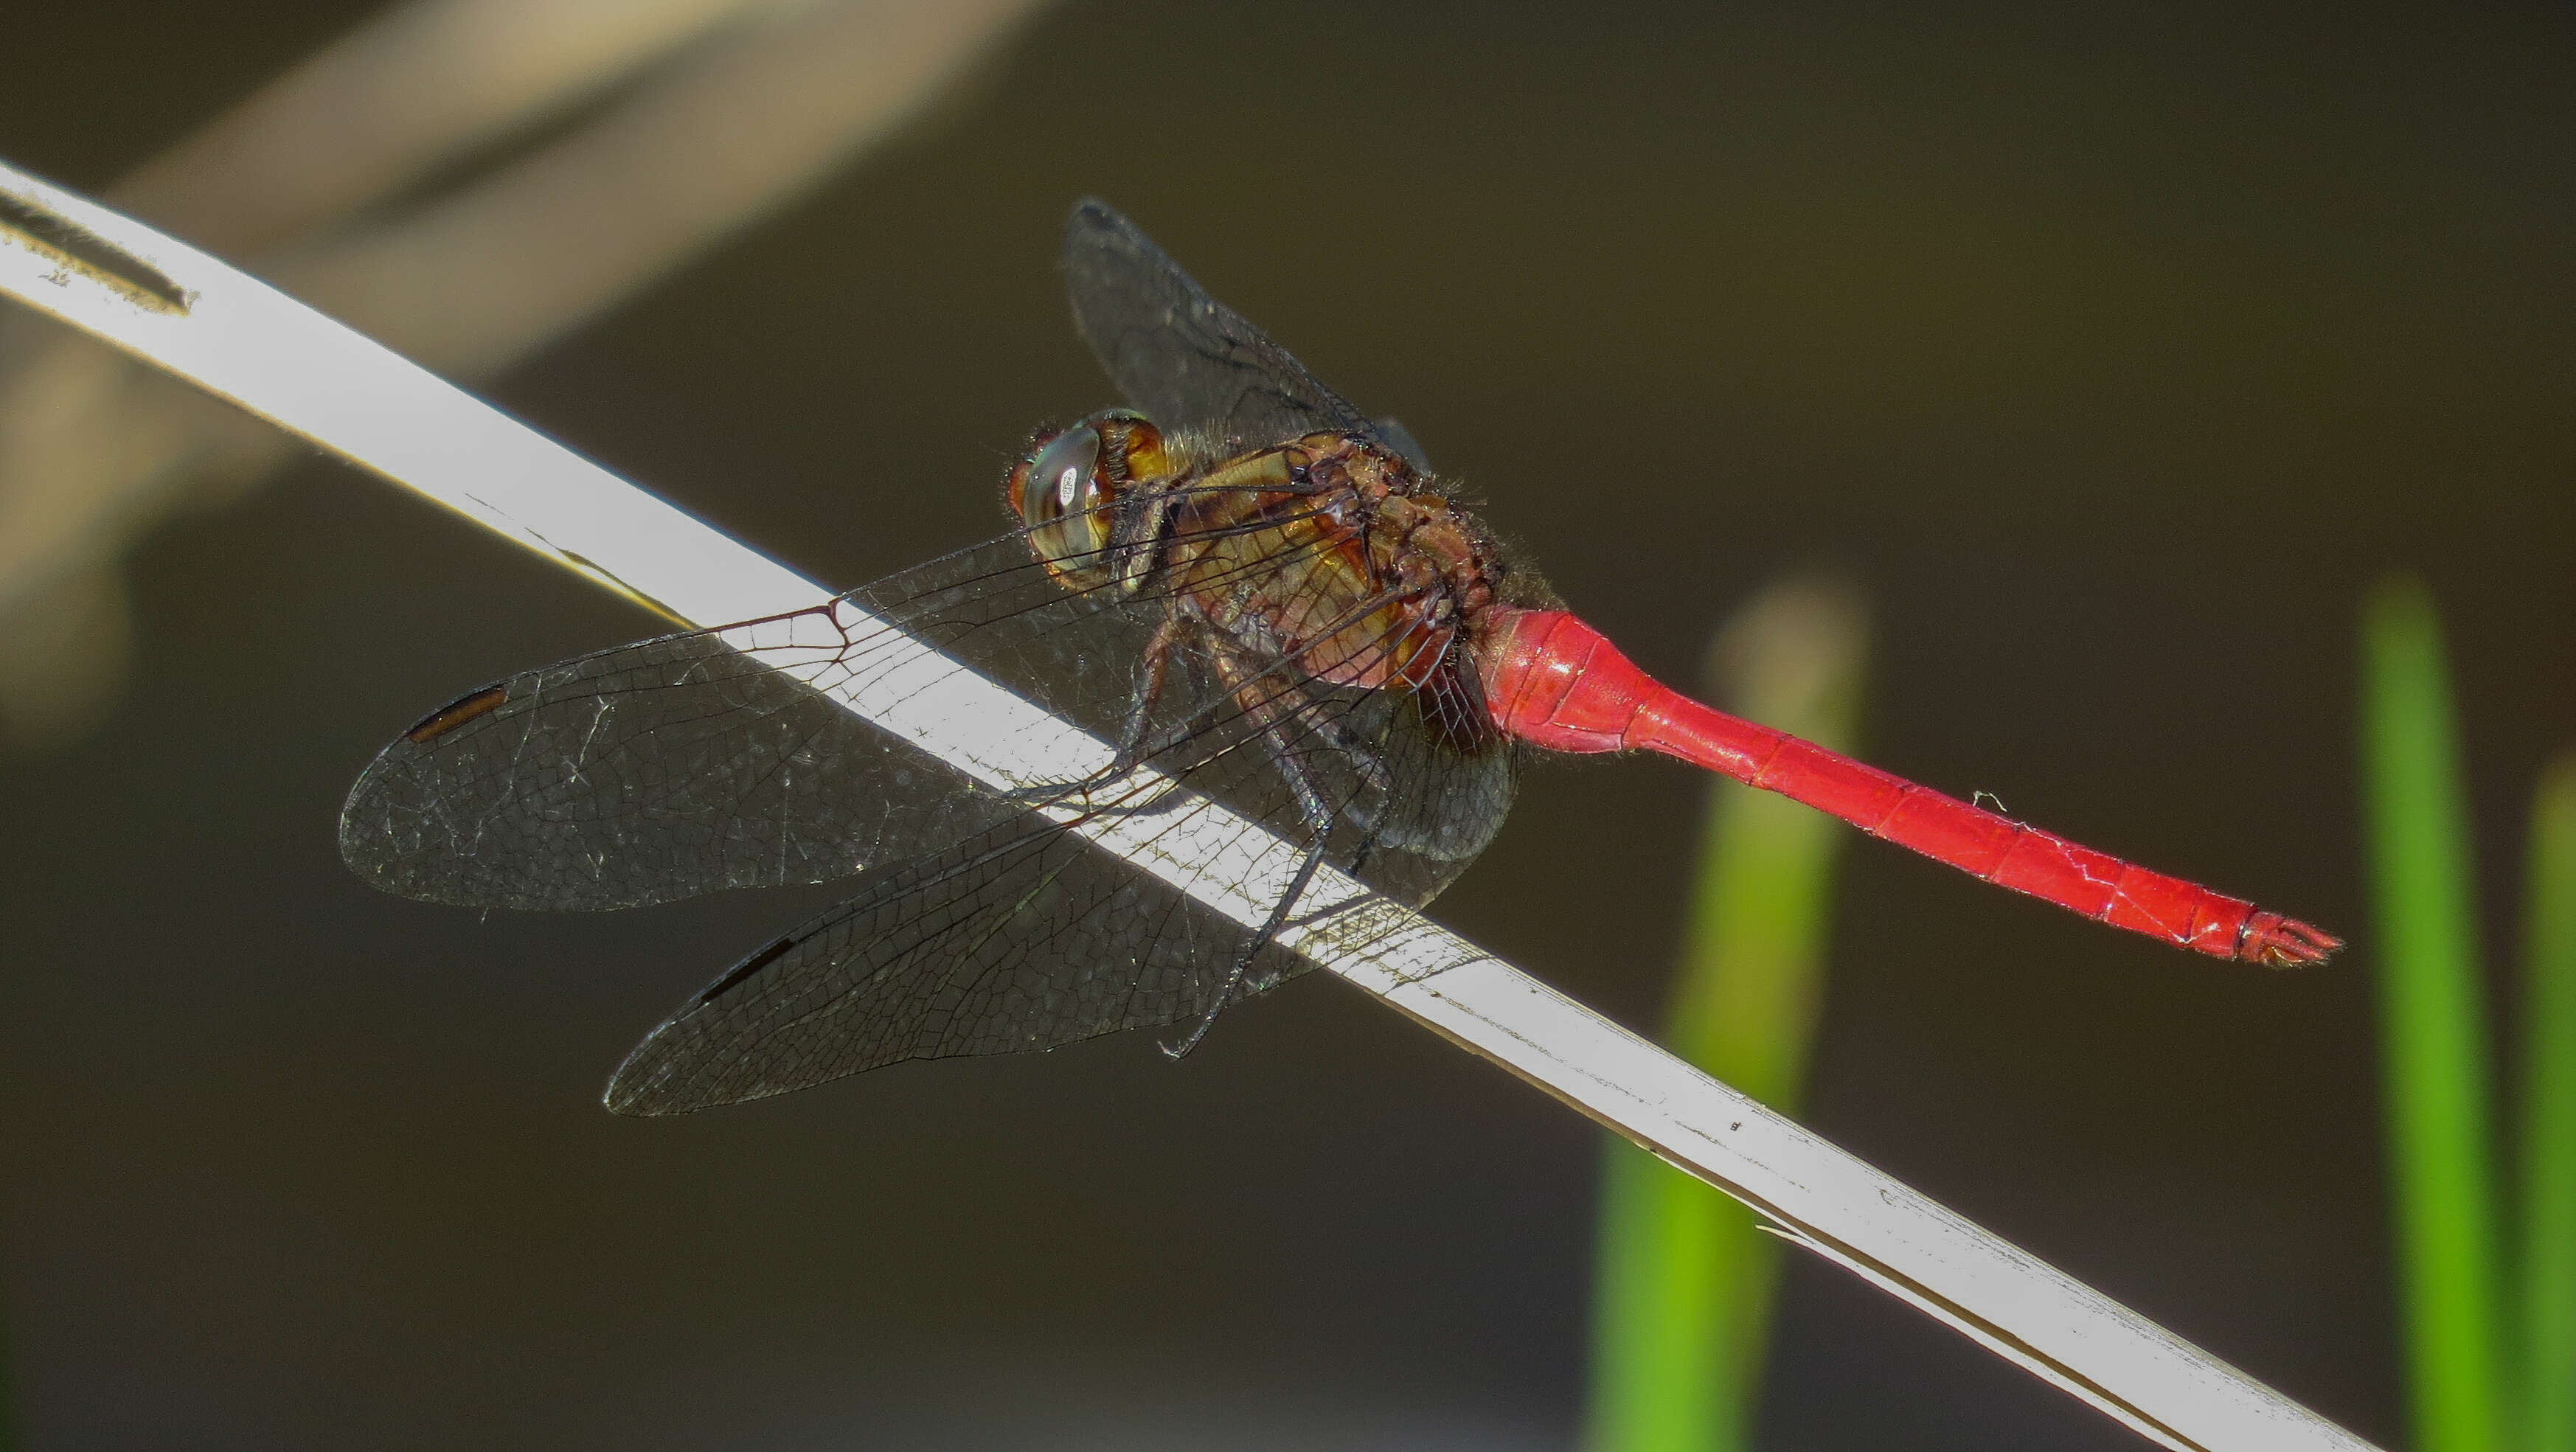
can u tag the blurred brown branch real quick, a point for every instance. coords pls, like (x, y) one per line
(735, 107)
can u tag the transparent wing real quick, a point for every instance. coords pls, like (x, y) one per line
(662, 770)
(1392, 433)
(686, 764)
(1178, 354)
(1022, 938)
(1027, 936)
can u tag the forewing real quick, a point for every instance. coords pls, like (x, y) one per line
(687, 764)
(1178, 354)
(638, 775)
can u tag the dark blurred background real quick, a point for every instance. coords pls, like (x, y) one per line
(2115, 349)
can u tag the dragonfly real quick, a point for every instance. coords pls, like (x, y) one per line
(1271, 608)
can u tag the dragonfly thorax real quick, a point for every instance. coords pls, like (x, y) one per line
(1328, 550)
(1328, 557)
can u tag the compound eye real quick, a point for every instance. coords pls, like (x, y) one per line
(1060, 502)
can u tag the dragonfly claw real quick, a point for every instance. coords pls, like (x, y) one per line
(2278, 942)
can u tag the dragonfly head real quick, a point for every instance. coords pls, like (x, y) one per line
(1067, 486)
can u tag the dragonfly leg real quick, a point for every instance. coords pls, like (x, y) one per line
(1270, 704)
(1263, 702)
(1361, 755)
(1234, 976)
(1133, 747)
(1317, 719)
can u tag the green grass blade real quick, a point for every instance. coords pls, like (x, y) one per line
(2432, 1030)
(1661, 1378)
(1682, 1314)
(2548, 1261)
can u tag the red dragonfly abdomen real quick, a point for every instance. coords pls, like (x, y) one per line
(1553, 681)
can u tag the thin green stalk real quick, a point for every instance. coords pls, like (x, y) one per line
(2432, 1034)
(2548, 1262)
(1686, 1279)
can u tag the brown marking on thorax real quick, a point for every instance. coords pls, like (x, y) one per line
(1329, 548)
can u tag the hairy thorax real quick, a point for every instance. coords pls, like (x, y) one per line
(1330, 550)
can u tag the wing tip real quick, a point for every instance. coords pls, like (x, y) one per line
(642, 1087)
(1095, 225)
(1095, 213)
